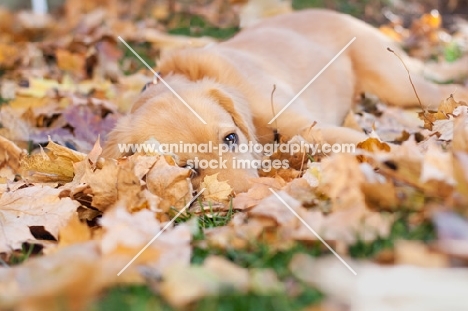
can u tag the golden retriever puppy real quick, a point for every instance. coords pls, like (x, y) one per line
(229, 85)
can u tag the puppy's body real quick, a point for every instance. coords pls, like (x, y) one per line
(230, 84)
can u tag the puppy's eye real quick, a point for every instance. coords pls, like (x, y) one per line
(231, 139)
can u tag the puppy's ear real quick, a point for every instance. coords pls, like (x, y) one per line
(240, 113)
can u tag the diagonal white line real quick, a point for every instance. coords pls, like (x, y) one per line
(312, 230)
(159, 233)
(313, 79)
(162, 80)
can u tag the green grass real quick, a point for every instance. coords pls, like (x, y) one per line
(401, 229)
(452, 52)
(206, 219)
(131, 298)
(355, 8)
(141, 298)
(195, 26)
(19, 257)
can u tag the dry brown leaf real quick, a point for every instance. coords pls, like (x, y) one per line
(94, 154)
(460, 132)
(8, 55)
(417, 254)
(444, 129)
(437, 165)
(73, 273)
(258, 191)
(380, 196)
(74, 232)
(218, 191)
(460, 167)
(183, 285)
(32, 206)
(341, 181)
(372, 145)
(171, 183)
(14, 127)
(72, 62)
(301, 190)
(446, 109)
(125, 234)
(272, 207)
(344, 227)
(10, 156)
(53, 166)
(99, 185)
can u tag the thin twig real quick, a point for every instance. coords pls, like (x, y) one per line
(411, 81)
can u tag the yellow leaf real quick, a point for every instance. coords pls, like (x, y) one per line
(218, 191)
(53, 166)
(372, 145)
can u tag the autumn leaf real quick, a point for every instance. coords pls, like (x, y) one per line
(53, 166)
(8, 55)
(372, 145)
(72, 62)
(74, 232)
(37, 206)
(260, 189)
(10, 156)
(218, 191)
(171, 183)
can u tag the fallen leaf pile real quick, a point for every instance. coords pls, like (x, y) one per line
(90, 223)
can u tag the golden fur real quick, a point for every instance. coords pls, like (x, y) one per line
(229, 85)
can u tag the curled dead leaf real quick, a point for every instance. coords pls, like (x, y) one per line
(218, 191)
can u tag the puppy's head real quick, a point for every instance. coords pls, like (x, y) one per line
(161, 116)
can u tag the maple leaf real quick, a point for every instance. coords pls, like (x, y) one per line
(32, 206)
(171, 183)
(218, 191)
(53, 166)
